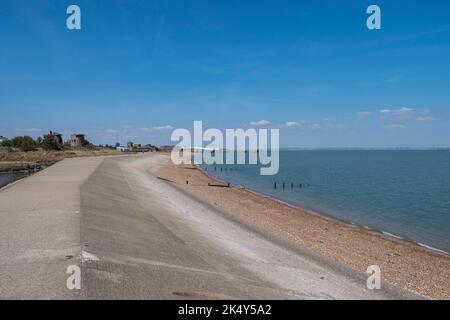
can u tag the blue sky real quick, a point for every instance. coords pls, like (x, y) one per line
(312, 69)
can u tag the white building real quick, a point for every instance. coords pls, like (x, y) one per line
(122, 149)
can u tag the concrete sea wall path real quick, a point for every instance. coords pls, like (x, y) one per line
(135, 236)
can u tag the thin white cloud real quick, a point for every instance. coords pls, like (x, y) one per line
(405, 114)
(260, 123)
(111, 131)
(397, 113)
(364, 114)
(394, 126)
(315, 126)
(383, 42)
(28, 129)
(424, 118)
(394, 78)
(292, 124)
(166, 127)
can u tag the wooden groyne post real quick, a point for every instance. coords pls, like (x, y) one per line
(293, 185)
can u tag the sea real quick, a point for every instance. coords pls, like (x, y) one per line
(404, 194)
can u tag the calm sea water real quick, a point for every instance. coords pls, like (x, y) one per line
(404, 193)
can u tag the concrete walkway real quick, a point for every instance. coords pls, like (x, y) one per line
(40, 230)
(142, 238)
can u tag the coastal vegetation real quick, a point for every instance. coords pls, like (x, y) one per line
(17, 160)
(23, 153)
(26, 154)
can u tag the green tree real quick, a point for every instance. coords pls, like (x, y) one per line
(51, 143)
(25, 143)
(6, 143)
(87, 144)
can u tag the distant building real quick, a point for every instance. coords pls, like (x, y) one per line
(130, 145)
(56, 136)
(2, 138)
(122, 149)
(77, 140)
